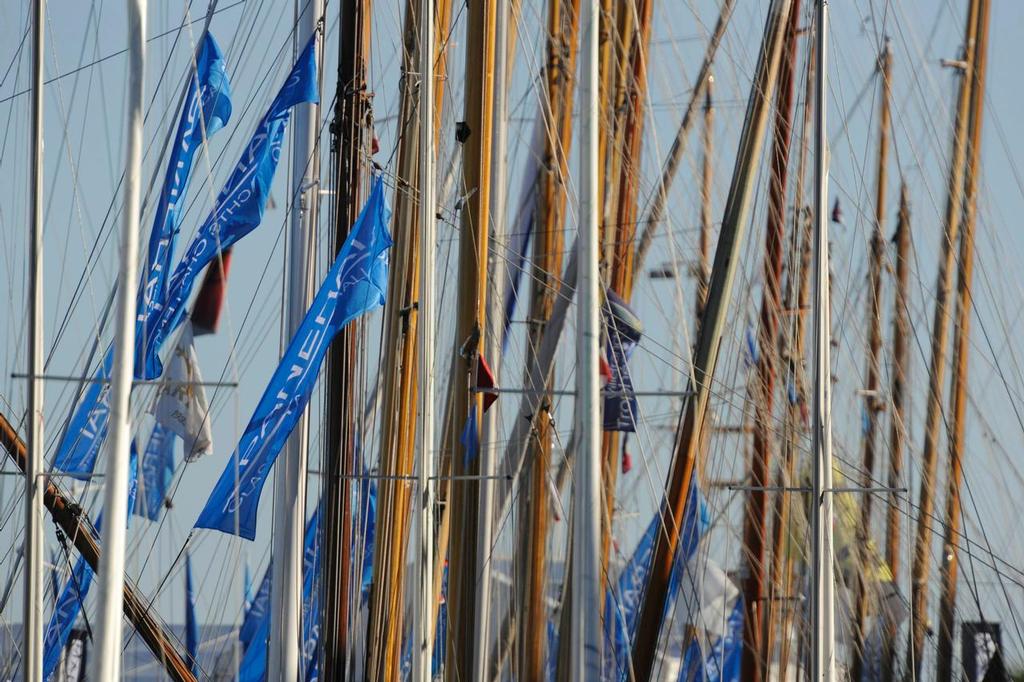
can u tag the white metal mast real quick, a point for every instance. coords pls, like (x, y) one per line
(107, 659)
(422, 625)
(492, 340)
(34, 484)
(290, 473)
(823, 659)
(585, 630)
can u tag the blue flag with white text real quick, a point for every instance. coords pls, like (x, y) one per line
(721, 663)
(624, 331)
(240, 205)
(355, 284)
(207, 108)
(69, 604)
(157, 469)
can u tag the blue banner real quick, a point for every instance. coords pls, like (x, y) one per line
(207, 108)
(722, 662)
(253, 667)
(65, 611)
(624, 331)
(622, 607)
(259, 607)
(191, 624)
(239, 208)
(354, 285)
(157, 468)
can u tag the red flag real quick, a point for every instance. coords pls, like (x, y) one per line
(206, 311)
(485, 379)
(627, 462)
(604, 369)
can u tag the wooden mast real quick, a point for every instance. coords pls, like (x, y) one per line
(897, 428)
(75, 525)
(707, 176)
(937, 367)
(691, 423)
(962, 329)
(351, 131)
(755, 657)
(472, 299)
(872, 387)
(548, 254)
(797, 301)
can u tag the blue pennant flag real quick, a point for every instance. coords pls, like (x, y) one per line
(253, 667)
(157, 467)
(354, 285)
(470, 438)
(259, 607)
(191, 624)
(624, 332)
(239, 208)
(367, 531)
(722, 662)
(207, 108)
(622, 607)
(69, 604)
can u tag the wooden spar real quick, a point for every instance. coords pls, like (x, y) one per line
(937, 366)
(707, 176)
(872, 404)
(351, 132)
(469, 328)
(385, 626)
(897, 428)
(691, 423)
(782, 558)
(798, 286)
(962, 329)
(656, 213)
(755, 657)
(548, 254)
(75, 524)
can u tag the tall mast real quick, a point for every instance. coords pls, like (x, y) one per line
(707, 176)
(464, 426)
(872, 401)
(897, 428)
(962, 329)
(937, 367)
(107, 664)
(756, 646)
(798, 288)
(32, 649)
(548, 252)
(350, 130)
(586, 631)
(691, 423)
(423, 621)
(823, 654)
(290, 473)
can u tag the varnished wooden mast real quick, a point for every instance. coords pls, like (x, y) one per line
(897, 425)
(691, 424)
(755, 658)
(937, 368)
(548, 254)
(76, 526)
(798, 294)
(872, 386)
(351, 131)
(469, 327)
(707, 177)
(962, 328)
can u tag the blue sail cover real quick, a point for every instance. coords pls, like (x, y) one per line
(157, 468)
(191, 624)
(206, 110)
(722, 662)
(355, 284)
(239, 208)
(69, 604)
(622, 607)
